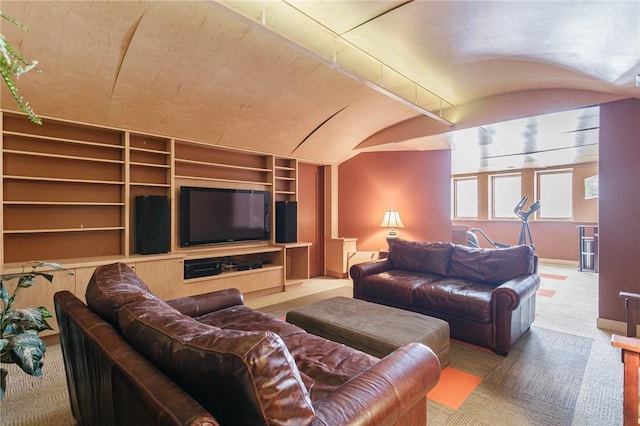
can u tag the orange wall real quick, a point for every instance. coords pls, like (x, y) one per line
(553, 240)
(619, 205)
(415, 183)
(418, 185)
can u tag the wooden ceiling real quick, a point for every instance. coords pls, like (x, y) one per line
(210, 71)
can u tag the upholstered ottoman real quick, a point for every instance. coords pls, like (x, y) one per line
(372, 328)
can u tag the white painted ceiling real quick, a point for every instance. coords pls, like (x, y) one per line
(218, 72)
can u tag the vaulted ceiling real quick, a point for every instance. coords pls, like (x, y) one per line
(321, 80)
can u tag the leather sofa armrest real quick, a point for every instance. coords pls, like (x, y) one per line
(383, 393)
(361, 270)
(205, 303)
(515, 290)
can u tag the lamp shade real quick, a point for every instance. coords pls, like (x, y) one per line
(391, 220)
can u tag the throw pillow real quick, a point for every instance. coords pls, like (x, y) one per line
(491, 265)
(426, 257)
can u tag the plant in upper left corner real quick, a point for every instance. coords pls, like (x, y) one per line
(12, 64)
(19, 328)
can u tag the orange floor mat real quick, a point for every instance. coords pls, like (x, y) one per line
(545, 292)
(453, 387)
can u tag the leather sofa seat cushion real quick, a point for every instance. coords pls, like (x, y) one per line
(325, 365)
(112, 286)
(462, 298)
(491, 265)
(241, 377)
(396, 285)
(416, 256)
(241, 317)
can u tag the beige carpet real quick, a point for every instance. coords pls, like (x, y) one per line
(562, 372)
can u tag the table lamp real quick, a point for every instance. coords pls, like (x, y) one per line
(391, 220)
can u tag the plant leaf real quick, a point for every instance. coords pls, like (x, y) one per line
(27, 350)
(21, 320)
(4, 294)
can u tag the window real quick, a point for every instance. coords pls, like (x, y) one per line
(465, 197)
(555, 194)
(506, 193)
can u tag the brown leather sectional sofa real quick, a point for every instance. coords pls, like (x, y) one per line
(488, 296)
(133, 359)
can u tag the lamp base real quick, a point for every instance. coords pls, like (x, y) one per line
(392, 235)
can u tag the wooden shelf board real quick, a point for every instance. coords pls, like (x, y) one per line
(52, 179)
(162, 166)
(60, 203)
(220, 165)
(58, 230)
(64, 140)
(209, 179)
(161, 185)
(151, 151)
(63, 157)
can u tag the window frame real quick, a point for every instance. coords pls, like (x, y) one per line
(538, 190)
(492, 196)
(454, 198)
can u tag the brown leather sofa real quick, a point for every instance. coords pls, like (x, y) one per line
(133, 359)
(488, 296)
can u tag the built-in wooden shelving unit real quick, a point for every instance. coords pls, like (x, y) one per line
(63, 190)
(68, 195)
(285, 178)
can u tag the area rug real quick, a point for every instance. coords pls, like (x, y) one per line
(537, 383)
(32, 401)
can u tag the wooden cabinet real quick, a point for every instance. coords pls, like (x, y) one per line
(68, 196)
(163, 277)
(268, 276)
(338, 251)
(296, 263)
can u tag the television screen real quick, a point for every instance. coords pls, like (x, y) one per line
(217, 215)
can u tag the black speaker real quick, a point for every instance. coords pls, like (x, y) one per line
(286, 221)
(152, 224)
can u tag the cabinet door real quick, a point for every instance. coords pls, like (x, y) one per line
(163, 277)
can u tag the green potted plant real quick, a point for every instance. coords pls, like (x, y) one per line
(19, 328)
(12, 65)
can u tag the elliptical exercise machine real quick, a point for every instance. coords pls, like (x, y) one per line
(525, 230)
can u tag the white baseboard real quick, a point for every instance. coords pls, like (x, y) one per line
(559, 262)
(617, 327)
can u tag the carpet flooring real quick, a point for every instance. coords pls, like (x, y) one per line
(563, 371)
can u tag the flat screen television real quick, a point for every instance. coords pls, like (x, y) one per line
(217, 215)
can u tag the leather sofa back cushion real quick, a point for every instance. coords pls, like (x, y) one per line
(416, 256)
(112, 286)
(491, 265)
(241, 377)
